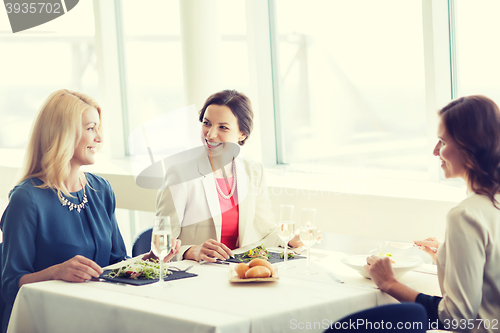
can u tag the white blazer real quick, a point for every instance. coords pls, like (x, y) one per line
(467, 265)
(191, 200)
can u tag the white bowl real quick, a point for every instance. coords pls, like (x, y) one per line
(401, 266)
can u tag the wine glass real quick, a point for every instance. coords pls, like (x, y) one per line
(160, 242)
(308, 234)
(286, 230)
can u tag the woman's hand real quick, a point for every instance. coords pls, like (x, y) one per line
(429, 246)
(77, 269)
(296, 242)
(175, 248)
(380, 270)
(209, 251)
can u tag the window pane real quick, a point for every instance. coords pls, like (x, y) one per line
(154, 58)
(478, 48)
(234, 53)
(352, 83)
(36, 62)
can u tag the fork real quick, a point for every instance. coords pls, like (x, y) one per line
(176, 269)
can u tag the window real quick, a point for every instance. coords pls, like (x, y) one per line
(155, 63)
(35, 63)
(478, 48)
(153, 60)
(352, 84)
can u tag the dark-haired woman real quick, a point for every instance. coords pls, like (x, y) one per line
(468, 260)
(219, 202)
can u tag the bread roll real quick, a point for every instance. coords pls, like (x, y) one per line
(241, 269)
(261, 262)
(258, 272)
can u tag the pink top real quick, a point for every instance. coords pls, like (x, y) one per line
(230, 214)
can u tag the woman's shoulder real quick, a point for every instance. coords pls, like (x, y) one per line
(195, 167)
(26, 188)
(181, 173)
(477, 202)
(254, 169)
(98, 182)
(475, 209)
(100, 190)
(250, 164)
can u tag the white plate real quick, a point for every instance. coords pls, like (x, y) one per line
(401, 266)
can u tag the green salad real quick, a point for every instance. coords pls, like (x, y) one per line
(147, 269)
(388, 255)
(257, 252)
(290, 255)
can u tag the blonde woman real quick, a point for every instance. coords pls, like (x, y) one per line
(60, 222)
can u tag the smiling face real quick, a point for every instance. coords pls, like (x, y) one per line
(220, 125)
(452, 161)
(90, 140)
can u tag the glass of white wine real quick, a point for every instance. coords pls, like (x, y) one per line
(308, 234)
(286, 230)
(160, 243)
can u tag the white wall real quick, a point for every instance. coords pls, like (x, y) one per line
(359, 215)
(370, 216)
(365, 215)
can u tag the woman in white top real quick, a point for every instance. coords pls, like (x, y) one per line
(218, 201)
(468, 260)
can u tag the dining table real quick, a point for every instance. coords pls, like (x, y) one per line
(209, 302)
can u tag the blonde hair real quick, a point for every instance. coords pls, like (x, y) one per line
(56, 132)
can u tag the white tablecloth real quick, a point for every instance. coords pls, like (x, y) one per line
(207, 303)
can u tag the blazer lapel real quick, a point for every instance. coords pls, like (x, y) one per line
(208, 181)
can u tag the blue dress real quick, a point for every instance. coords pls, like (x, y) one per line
(38, 232)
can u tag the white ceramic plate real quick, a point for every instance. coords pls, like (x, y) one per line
(401, 266)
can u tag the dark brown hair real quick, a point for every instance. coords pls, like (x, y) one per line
(239, 104)
(474, 124)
